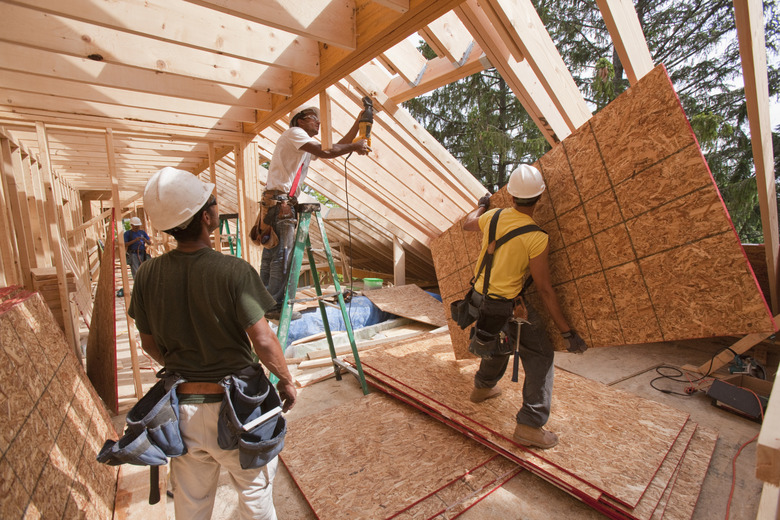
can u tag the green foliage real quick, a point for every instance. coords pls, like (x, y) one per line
(325, 201)
(479, 120)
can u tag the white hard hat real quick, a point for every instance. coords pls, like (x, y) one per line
(172, 197)
(135, 221)
(294, 115)
(525, 182)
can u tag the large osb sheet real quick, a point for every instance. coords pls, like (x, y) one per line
(409, 301)
(391, 459)
(609, 439)
(52, 423)
(101, 343)
(642, 248)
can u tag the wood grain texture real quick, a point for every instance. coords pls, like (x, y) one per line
(52, 423)
(389, 458)
(409, 301)
(101, 343)
(610, 439)
(636, 221)
(693, 469)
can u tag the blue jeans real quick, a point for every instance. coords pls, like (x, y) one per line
(135, 260)
(537, 356)
(273, 271)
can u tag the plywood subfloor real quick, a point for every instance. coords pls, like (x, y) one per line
(609, 439)
(409, 301)
(52, 423)
(642, 248)
(392, 460)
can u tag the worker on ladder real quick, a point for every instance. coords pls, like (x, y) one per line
(274, 228)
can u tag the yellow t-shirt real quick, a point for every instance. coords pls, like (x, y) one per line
(511, 260)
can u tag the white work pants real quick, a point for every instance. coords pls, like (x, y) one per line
(194, 476)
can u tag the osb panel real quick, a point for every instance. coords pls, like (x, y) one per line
(409, 301)
(631, 188)
(52, 423)
(101, 343)
(693, 469)
(650, 500)
(406, 456)
(611, 439)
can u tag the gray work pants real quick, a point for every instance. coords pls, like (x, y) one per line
(537, 356)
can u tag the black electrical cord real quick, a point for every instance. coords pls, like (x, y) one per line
(349, 234)
(689, 390)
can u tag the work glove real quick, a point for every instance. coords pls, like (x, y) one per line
(574, 343)
(484, 201)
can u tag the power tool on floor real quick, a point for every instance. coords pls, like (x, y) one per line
(366, 121)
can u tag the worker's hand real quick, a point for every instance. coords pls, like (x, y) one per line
(361, 147)
(288, 394)
(574, 343)
(484, 201)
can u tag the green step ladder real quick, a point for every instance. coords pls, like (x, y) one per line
(224, 230)
(305, 212)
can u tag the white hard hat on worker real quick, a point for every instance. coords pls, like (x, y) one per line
(172, 197)
(135, 221)
(525, 182)
(301, 112)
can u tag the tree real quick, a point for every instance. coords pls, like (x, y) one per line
(695, 39)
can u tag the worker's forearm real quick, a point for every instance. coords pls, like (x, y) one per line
(269, 350)
(550, 300)
(340, 149)
(149, 345)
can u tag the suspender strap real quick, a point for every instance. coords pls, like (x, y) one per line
(297, 179)
(493, 244)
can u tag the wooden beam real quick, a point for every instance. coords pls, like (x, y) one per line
(18, 209)
(241, 156)
(11, 262)
(186, 23)
(768, 449)
(399, 262)
(378, 29)
(76, 38)
(526, 37)
(519, 75)
(448, 37)
(326, 128)
(120, 239)
(46, 64)
(53, 233)
(749, 19)
(72, 90)
(404, 59)
(213, 180)
(627, 37)
(727, 356)
(322, 20)
(104, 215)
(438, 73)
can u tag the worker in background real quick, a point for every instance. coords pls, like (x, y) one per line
(275, 225)
(199, 313)
(136, 241)
(512, 262)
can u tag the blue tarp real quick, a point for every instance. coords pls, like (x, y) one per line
(362, 313)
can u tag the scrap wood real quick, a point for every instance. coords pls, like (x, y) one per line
(391, 459)
(363, 345)
(410, 302)
(727, 355)
(622, 426)
(311, 377)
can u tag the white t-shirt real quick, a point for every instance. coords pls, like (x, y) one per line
(287, 158)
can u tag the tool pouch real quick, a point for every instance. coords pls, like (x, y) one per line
(248, 395)
(463, 311)
(152, 433)
(486, 339)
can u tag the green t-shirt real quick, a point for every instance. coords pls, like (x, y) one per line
(198, 307)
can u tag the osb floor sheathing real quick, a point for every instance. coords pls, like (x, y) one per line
(409, 301)
(611, 441)
(641, 246)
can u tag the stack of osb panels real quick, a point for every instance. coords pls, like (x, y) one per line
(52, 424)
(378, 458)
(625, 456)
(642, 248)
